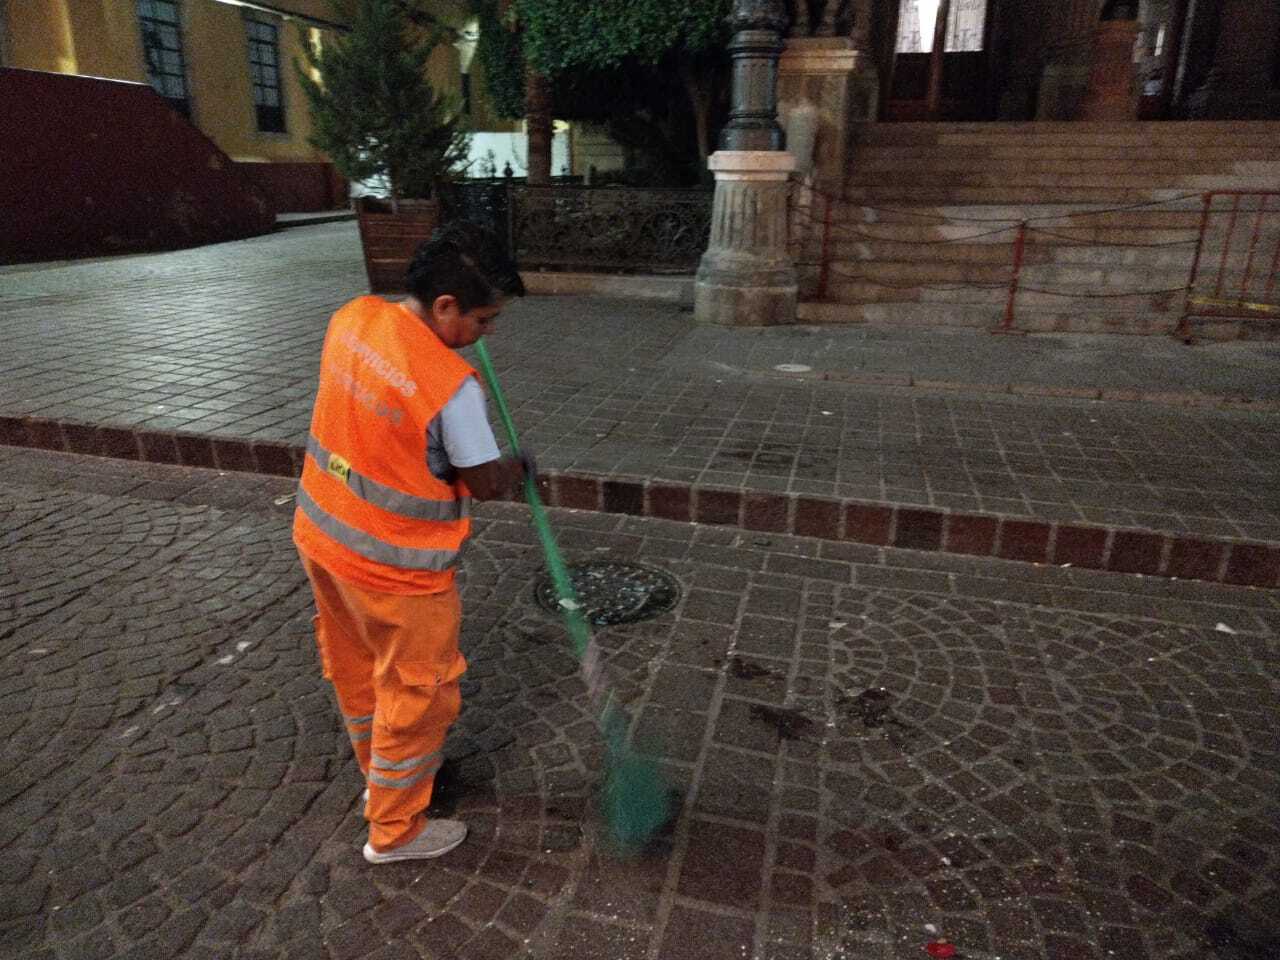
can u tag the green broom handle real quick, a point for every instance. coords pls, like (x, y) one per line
(572, 612)
(637, 803)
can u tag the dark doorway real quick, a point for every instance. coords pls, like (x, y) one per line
(953, 86)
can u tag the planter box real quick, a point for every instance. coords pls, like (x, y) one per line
(389, 239)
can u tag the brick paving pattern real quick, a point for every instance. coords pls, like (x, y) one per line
(162, 351)
(872, 748)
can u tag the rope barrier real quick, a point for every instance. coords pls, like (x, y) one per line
(1111, 243)
(858, 228)
(834, 199)
(949, 288)
(1103, 296)
(842, 231)
(847, 232)
(1124, 209)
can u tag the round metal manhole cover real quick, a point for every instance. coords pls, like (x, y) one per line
(614, 592)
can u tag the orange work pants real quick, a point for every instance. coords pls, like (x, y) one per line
(394, 664)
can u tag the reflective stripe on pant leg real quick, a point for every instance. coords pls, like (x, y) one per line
(408, 772)
(359, 729)
(398, 798)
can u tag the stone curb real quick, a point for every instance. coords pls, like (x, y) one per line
(912, 527)
(1110, 394)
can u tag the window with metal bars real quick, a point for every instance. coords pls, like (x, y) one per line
(162, 45)
(264, 70)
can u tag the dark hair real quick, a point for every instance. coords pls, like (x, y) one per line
(464, 260)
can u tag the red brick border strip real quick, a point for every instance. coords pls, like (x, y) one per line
(915, 527)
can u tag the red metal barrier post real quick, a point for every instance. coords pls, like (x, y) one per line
(1019, 254)
(1213, 289)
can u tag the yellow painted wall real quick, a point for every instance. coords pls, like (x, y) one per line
(108, 41)
(217, 51)
(102, 38)
(39, 36)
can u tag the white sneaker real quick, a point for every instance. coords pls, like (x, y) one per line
(437, 838)
(364, 797)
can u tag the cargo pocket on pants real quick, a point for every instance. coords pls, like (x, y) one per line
(419, 680)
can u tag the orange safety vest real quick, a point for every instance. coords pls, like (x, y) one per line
(369, 509)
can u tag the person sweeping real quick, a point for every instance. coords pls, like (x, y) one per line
(399, 446)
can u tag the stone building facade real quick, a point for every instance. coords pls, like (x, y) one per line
(1031, 59)
(855, 60)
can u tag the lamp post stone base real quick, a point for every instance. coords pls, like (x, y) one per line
(734, 304)
(746, 277)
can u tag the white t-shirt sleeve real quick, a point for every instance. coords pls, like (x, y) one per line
(464, 427)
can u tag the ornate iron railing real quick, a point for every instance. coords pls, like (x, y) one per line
(605, 229)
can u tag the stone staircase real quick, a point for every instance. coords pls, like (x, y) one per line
(925, 230)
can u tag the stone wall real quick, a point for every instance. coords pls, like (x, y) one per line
(108, 167)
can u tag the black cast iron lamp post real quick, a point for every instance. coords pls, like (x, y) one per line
(746, 277)
(758, 29)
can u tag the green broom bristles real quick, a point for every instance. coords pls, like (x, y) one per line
(636, 800)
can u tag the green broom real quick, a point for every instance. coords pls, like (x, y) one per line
(636, 798)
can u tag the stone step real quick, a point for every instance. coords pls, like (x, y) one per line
(900, 314)
(915, 224)
(1026, 319)
(1046, 251)
(1022, 127)
(1006, 195)
(1069, 134)
(925, 232)
(905, 274)
(870, 161)
(843, 290)
(852, 288)
(1220, 152)
(1111, 278)
(843, 249)
(1181, 181)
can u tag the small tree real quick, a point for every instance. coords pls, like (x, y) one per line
(374, 112)
(685, 37)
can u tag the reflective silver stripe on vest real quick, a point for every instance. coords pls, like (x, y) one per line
(382, 763)
(370, 547)
(360, 721)
(390, 499)
(360, 737)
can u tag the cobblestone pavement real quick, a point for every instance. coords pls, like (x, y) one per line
(223, 341)
(871, 751)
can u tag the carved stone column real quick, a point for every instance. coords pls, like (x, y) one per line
(746, 277)
(833, 76)
(1242, 82)
(828, 75)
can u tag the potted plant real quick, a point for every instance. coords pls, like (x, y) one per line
(376, 115)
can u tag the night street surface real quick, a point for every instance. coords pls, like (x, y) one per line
(224, 341)
(872, 749)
